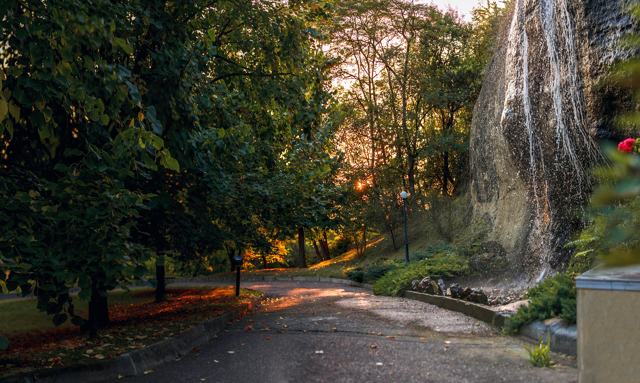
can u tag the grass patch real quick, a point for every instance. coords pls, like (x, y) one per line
(21, 315)
(396, 282)
(137, 321)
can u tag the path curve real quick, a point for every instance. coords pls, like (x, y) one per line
(332, 335)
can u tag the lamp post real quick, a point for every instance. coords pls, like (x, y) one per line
(237, 262)
(406, 242)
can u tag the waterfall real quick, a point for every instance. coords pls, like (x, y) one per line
(568, 116)
(557, 25)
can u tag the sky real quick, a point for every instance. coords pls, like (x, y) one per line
(464, 6)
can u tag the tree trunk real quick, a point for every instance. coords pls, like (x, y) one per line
(324, 244)
(445, 173)
(315, 247)
(364, 239)
(264, 261)
(393, 237)
(161, 292)
(98, 312)
(302, 260)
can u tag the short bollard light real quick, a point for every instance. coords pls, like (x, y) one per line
(404, 196)
(237, 262)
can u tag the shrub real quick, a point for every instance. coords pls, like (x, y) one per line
(539, 356)
(375, 272)
(431, 252)
(370, 273)
(397, 281)
(555, 296)
(355, 275)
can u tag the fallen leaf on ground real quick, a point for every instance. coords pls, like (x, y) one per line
(99, 356)
(281, 318)
(266, 338)
(320, 352)
(195, 349)
(248, 328)
(285, 326)
(334, 329)
(304, 330)
(313, 314)
(374, 346)
(279, 331)
(231, 352)
(378, 364)
(390, 336)
(148, 372)
(379, 334)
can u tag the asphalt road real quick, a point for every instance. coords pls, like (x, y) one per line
(320, 332)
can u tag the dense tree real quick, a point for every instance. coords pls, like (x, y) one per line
(142, 128)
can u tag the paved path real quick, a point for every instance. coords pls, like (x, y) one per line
(329, 333)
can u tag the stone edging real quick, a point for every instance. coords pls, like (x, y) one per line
(564, 339)
(271, 278)
(138, 361)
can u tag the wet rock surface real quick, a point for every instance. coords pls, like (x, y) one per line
(535, 125)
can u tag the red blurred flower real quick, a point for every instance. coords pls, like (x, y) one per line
(626, 146)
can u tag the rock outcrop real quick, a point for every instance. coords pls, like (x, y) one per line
(537, 123)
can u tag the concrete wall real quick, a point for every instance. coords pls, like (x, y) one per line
(608, 336)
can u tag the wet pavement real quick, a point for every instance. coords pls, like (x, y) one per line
(321, 332)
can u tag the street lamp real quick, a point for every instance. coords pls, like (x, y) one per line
(406, 242)
(237, 262)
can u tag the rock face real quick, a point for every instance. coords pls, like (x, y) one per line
(537, 122)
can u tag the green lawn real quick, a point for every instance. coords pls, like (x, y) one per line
(22, 315)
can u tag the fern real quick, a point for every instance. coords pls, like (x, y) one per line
(582, 242)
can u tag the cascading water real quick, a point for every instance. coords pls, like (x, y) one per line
(557, 23)
(532, 140)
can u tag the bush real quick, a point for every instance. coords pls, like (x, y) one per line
(397, 281)
(431, 252)
(355, 275)
(370, 273)
(375, 272)
(555, 296)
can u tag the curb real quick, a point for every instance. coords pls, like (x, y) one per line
(271, 278)
(564, 338)
(138, 361)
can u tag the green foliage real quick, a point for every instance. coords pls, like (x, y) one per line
(340, 246)
(431, 251)
(355, 275)
(555, 296)
(397, 281)
(539, 355)
(613, 235)
(126, 133)
(371, 273)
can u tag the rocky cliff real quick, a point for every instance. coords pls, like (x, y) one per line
(537, 123)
